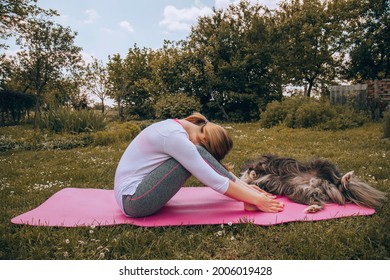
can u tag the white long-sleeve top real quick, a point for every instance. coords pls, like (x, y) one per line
(156, 144)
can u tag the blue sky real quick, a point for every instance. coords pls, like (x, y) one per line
(107, 27)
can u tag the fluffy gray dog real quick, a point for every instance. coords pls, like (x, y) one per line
(314, 182)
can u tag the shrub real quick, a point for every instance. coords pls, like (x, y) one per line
(386, 123)
(304, 112)
(345, 117)
(176, 106)
(274, 114)
(278, 112)
(312, 114)
(117, 132)
(64, 120)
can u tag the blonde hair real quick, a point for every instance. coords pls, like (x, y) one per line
(217, 141)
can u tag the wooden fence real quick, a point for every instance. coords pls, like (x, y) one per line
(374, 96)
(355, 95)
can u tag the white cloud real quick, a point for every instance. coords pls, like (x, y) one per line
(176, 19)
(181, 19)
(93, 16)
(127, 26)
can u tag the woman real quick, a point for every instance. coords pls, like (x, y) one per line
(164, 155)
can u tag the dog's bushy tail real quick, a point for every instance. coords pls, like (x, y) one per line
(362, 194)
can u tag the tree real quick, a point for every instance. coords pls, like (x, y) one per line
(14, 105)
(370, 41)
(312, 40)
(48, 54)
(117, 77)
(16, 15)
(138, 98)
(96, 80)
(234, 55)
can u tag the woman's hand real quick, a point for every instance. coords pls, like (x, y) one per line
(257, 189)
(268, 203)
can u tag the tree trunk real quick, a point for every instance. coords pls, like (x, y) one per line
(311, 83)
(120, 113)
(102, 105)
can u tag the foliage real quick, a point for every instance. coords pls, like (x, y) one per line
(117, 73)
(303, 112)
(40, 142)
(244, 49)
(21, 139)
(14, 106)
(234, 52)
(138, 97)
(116, 133)
(312, 113)
(65, 120)
(278, 112)
(28, 178)
(176, 106)
(233, 107)
(344, 117)
(15, 15)
(310, 34)
(96, 80)
(48, 51)
(370, 48)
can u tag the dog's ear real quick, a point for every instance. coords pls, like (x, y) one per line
(346, 177)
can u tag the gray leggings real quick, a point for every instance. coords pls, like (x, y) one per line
(160, 185)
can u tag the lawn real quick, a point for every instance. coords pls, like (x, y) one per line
(28, 178)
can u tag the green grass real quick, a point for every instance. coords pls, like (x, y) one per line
(28, 178)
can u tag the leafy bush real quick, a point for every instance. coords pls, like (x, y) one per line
(64, 120)
(345, 117)
(176, 106)
(312, 114)
(117, 132)
(386, 123)
(278, 112)
(301, 112)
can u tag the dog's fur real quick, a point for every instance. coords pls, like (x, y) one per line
(314, 182)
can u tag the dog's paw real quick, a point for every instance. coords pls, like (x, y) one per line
(313, 208)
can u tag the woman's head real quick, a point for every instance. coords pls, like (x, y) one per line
(216, 141)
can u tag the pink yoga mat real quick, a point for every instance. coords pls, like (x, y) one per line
(72, 207)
